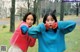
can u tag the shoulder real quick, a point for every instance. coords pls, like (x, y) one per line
(68, 25)
(67, 21)
(23, 24)
(42, 26)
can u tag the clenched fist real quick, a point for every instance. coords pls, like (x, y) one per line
(47, 26)
(55, 25)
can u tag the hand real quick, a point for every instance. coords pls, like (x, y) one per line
(55, 25)
(47, 26)
(24, 29)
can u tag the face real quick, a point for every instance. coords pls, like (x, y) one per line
(50, 21)
(29, 20)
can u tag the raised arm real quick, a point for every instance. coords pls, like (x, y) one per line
(66, 26)
(24, 29)
(36, 30)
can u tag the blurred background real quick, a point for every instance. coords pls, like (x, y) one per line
(12, 12)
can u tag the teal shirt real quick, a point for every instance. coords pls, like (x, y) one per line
(49, 41)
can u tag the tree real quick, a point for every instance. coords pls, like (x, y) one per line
(21, 12)
(56, 3)
(12, 19)
(28, 5)
(62, 11)
(37, 9)
(67, 8)
(77, 9)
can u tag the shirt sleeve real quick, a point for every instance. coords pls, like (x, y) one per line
(24, 29)
(34, 31)
(66, 26)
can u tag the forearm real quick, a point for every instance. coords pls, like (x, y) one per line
(66, 26)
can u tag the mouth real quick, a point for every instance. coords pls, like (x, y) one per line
(29, 24)
(50, 25)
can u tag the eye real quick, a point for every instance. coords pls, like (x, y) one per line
(27, 19)
(52, 19)
(47, 20)
(32, 19)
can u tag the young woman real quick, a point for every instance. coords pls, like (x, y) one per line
(20, 40)
(51, 34)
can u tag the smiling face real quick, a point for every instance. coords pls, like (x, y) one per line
(29, 20)
(50, 21)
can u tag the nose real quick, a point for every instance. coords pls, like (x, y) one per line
(29, 21)
(50, 21)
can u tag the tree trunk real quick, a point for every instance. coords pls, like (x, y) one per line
(28, 5)
(55, 5)
(35, 10)
(12, 18)
(77, 9)
(62, 11)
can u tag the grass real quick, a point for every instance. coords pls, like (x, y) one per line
(72, 39)
(5, 37)
(69, 17)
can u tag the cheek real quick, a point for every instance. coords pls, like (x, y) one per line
(47, 22)
(27, 21)
(32, 22)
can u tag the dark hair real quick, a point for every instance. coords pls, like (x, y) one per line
(29, 13)
(53, 16)
(46, 15)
